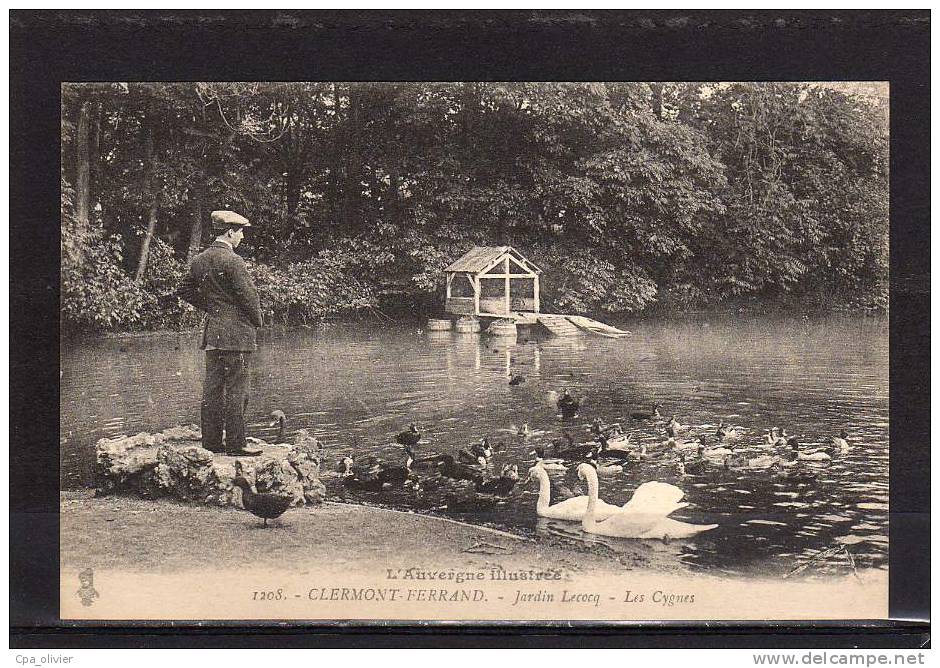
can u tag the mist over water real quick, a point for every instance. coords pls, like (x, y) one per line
(361, 384)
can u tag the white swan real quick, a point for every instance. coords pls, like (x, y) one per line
(572, 509)
(644, 516)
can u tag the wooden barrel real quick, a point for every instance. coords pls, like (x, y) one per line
(468, 325)
(439, 324)
(502, 328)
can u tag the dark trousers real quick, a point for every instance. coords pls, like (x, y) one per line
(225, 399)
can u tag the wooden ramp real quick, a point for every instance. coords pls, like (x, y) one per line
(567, 325)
(558, 325)
(596, 327)
(575, 325)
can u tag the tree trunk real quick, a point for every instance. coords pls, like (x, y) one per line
(292, 196)
(199, 213)
(352, 166)
(95, 157)
(657, 89)
(206, 169)
(150, 191)
(83, 167)
(394, 202)
(336, 164)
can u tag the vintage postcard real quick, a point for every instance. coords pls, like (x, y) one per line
(474, 351)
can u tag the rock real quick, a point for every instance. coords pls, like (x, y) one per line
(223, 492)
(174, 464)
(305, 457)
(189, 432)
(125, 463)
(185, 472)
(277, 476)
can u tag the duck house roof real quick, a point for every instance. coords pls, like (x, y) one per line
(482, 258)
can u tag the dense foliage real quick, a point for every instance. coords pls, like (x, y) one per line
(630, 195)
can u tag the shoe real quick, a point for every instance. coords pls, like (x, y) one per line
(244, 452)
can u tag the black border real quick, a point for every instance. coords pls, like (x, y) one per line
(49, 47)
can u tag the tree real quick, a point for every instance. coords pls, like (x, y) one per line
(631, 195)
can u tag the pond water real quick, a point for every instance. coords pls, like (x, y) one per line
(356, 386)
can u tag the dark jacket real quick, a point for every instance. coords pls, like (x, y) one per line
(218, 283)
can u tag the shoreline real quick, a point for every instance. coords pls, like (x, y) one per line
(625, 319)
(84, 534)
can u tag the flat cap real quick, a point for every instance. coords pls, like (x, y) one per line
(223, 218)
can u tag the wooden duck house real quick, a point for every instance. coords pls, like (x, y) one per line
(492, 281)
(498, 283)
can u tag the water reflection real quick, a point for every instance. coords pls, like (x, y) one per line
(350, 385)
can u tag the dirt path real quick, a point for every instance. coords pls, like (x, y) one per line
(118, 533)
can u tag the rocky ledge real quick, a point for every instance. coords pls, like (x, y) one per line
(174, 464)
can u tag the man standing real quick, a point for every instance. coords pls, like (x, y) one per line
(218, 283)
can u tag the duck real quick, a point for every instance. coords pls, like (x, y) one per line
(612, 430)
(743, 460)
(762, 462)
(674, 428)
(775, 439)
(267, 506)
(516, 378)
(411, 436)
(716, 453)
(464, 456)
(683, 446)
(693, 468)
(841, 441)
(603, 469)
(478, 453)
(372, 474)
(603, 449)
(279, 421)
(574, 450)
(396, 475)
(620, 442)
(644, 516)
(812, 456)
(450, 468)
(647, 415)
(502, 485)
(547, 464)
(427, 463)
(727, 433)
(566, 441)
(572, 509)
(439, 490)
(568, 405)
(712, 452)
(358, 476)
(787, 440)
